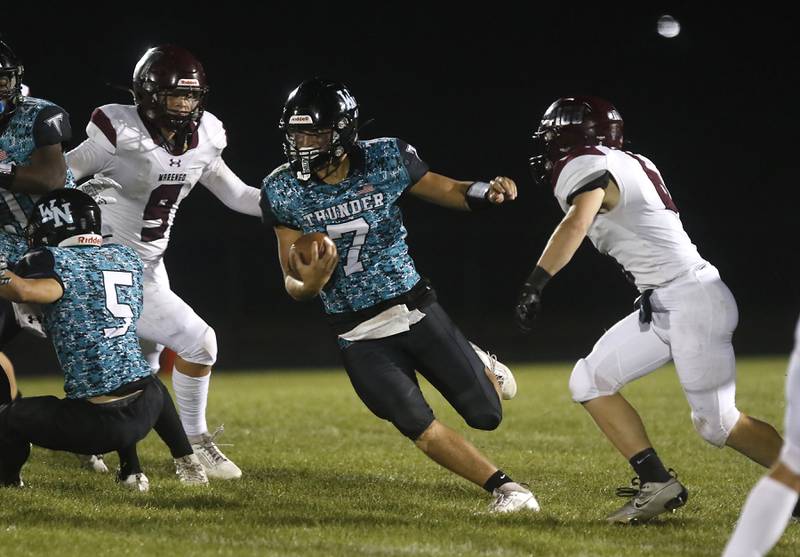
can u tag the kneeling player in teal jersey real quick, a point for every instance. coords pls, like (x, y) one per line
(91, 296)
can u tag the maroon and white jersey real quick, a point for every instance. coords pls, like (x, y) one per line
(154, 182)
(643, 233)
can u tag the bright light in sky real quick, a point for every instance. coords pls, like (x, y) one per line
(668, 26)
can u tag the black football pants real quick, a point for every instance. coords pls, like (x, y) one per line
(382, 372)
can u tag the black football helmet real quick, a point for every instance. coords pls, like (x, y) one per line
(11, 70)
(317, 106)
(61, 214)
(572, 122)
(169, 70)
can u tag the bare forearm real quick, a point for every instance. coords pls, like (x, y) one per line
(453, 197)
(31, 179)
(563, 244)
(37, 291)
(299, 290)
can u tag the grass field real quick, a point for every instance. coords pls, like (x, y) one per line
(322, 477)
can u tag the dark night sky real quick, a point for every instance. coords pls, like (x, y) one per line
(711, 107)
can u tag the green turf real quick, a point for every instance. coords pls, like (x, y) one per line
(323, 477)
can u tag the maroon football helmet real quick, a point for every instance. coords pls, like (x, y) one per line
(572, 122)
(169, 70)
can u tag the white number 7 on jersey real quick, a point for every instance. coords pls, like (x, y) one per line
(360, 227)
(112, 279)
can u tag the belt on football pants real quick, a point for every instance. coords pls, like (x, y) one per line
(642, 303)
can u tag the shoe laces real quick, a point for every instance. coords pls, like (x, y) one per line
(636, 485)
(210, 446)
(188, 470)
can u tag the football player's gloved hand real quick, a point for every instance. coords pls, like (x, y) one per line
(4, 278)
(95, 188)
(530, 299)
(528, 307)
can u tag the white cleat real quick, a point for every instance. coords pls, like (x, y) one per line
(512, 497)
(93, 463)
(214, 461)
(135, 482)
(190, 471)
(508, 385)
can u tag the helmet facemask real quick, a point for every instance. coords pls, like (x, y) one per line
(168, 112)
(311, 150)
(10, 89)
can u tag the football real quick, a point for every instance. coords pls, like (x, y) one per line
(303, 245)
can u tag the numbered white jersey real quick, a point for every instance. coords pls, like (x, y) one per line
(643, 233)
(154, 182)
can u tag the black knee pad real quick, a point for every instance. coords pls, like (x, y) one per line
(413, 426)
(485, 421)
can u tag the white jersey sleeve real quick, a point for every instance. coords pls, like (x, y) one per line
(226, 186)
(94, 154)
(577, 172)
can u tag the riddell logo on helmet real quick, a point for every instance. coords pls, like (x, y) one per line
(188, 83)
(301, 119)
(90, 239)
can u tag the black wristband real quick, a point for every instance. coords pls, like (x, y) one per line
(538, 278)
(7, 173)
(476, 195)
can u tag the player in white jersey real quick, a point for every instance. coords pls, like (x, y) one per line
(770, 503)
(154, 153)
(686, 313)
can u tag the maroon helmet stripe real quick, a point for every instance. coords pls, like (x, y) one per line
(577, 152)
(100, 120)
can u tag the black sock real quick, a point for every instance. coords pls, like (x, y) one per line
(128, 462)
(498, 478)
(648, 467)
(5, 387)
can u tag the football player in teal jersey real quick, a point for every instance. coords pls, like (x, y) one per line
(386, 317)
(91, 297)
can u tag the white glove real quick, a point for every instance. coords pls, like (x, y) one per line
(4, 278)
(94, 187)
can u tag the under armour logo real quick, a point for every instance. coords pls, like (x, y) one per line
(55, 121)
(174, 162)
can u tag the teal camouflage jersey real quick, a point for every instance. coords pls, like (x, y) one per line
(35, 123)
(360, 214)
(93, 325)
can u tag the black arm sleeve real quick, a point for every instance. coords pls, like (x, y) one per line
(599, 182)
(51, 126)
(416, 167)
(38, 263)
